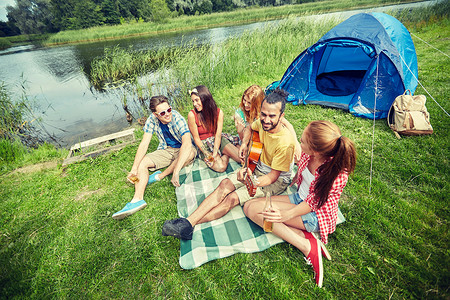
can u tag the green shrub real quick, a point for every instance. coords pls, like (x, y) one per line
(4, 43)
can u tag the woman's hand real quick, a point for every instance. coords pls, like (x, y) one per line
(275, 215)
(208, 162)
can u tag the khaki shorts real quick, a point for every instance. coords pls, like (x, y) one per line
(276, 188)
(164, 157)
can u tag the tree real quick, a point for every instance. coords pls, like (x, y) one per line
(159, 10)
(110, 11)
(87, 14)
(204, 6)
(63, 12)
(185, 5)
(31, 16)
(8, 29)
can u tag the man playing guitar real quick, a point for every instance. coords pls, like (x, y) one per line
(273, 170)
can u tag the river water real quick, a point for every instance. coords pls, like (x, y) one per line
(70, 108)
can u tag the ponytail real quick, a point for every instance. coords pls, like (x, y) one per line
(326, 139)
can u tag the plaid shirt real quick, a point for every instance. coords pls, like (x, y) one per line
(177, 127)
(327, 214)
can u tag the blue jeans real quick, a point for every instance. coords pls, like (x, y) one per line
(310, 219)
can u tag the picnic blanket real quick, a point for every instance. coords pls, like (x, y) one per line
(233, 233)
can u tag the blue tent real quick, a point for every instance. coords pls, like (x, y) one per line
(368, 54)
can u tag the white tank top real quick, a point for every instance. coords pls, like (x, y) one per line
(303, 189)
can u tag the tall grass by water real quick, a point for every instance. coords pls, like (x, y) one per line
(58, 240)
(118, 65)
(255, 55)
(189, 23)
(20, 132)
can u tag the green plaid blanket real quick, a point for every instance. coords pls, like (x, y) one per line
(233, 233)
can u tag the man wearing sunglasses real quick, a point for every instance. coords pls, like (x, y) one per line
(174, 152)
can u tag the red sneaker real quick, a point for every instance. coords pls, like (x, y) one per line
(325, 253)
(314, 258)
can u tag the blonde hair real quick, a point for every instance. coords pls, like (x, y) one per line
(256, 95)
(325, 138)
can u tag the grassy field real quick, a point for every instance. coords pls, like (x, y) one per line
(189, 23)
(58, 240)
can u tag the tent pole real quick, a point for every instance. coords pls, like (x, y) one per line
(373, 129)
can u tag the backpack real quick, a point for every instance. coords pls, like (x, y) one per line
(409, 116)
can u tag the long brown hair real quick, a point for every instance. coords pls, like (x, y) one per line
(325, 138)
(256, 95)
(209, 114)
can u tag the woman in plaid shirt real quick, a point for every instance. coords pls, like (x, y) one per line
(326, 160)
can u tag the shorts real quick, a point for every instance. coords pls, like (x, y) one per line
(164, 157)
(209, 144)
(276, 188)
(310, 219)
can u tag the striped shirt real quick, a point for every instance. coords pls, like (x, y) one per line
(177, 127)
(327, 214)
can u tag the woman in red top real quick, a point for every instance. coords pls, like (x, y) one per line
(205, 123)
(326, 160)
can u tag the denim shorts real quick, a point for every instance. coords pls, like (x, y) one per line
(310, 219)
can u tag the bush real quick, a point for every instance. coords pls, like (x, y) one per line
(4, 43)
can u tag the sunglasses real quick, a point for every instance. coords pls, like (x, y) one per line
(164, 112)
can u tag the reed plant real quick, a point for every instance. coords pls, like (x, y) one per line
(117, 65)
(20, 132)
(189, 23)
(15, 116)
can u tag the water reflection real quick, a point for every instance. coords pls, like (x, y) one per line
(61, 64)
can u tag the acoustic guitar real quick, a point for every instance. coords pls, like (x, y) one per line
(253, 154)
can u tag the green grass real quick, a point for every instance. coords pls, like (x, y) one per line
(189, 23)
(118, 65)
(23, 39)
(58, 240)
(4, 43)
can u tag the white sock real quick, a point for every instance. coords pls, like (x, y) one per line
(157, 177)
